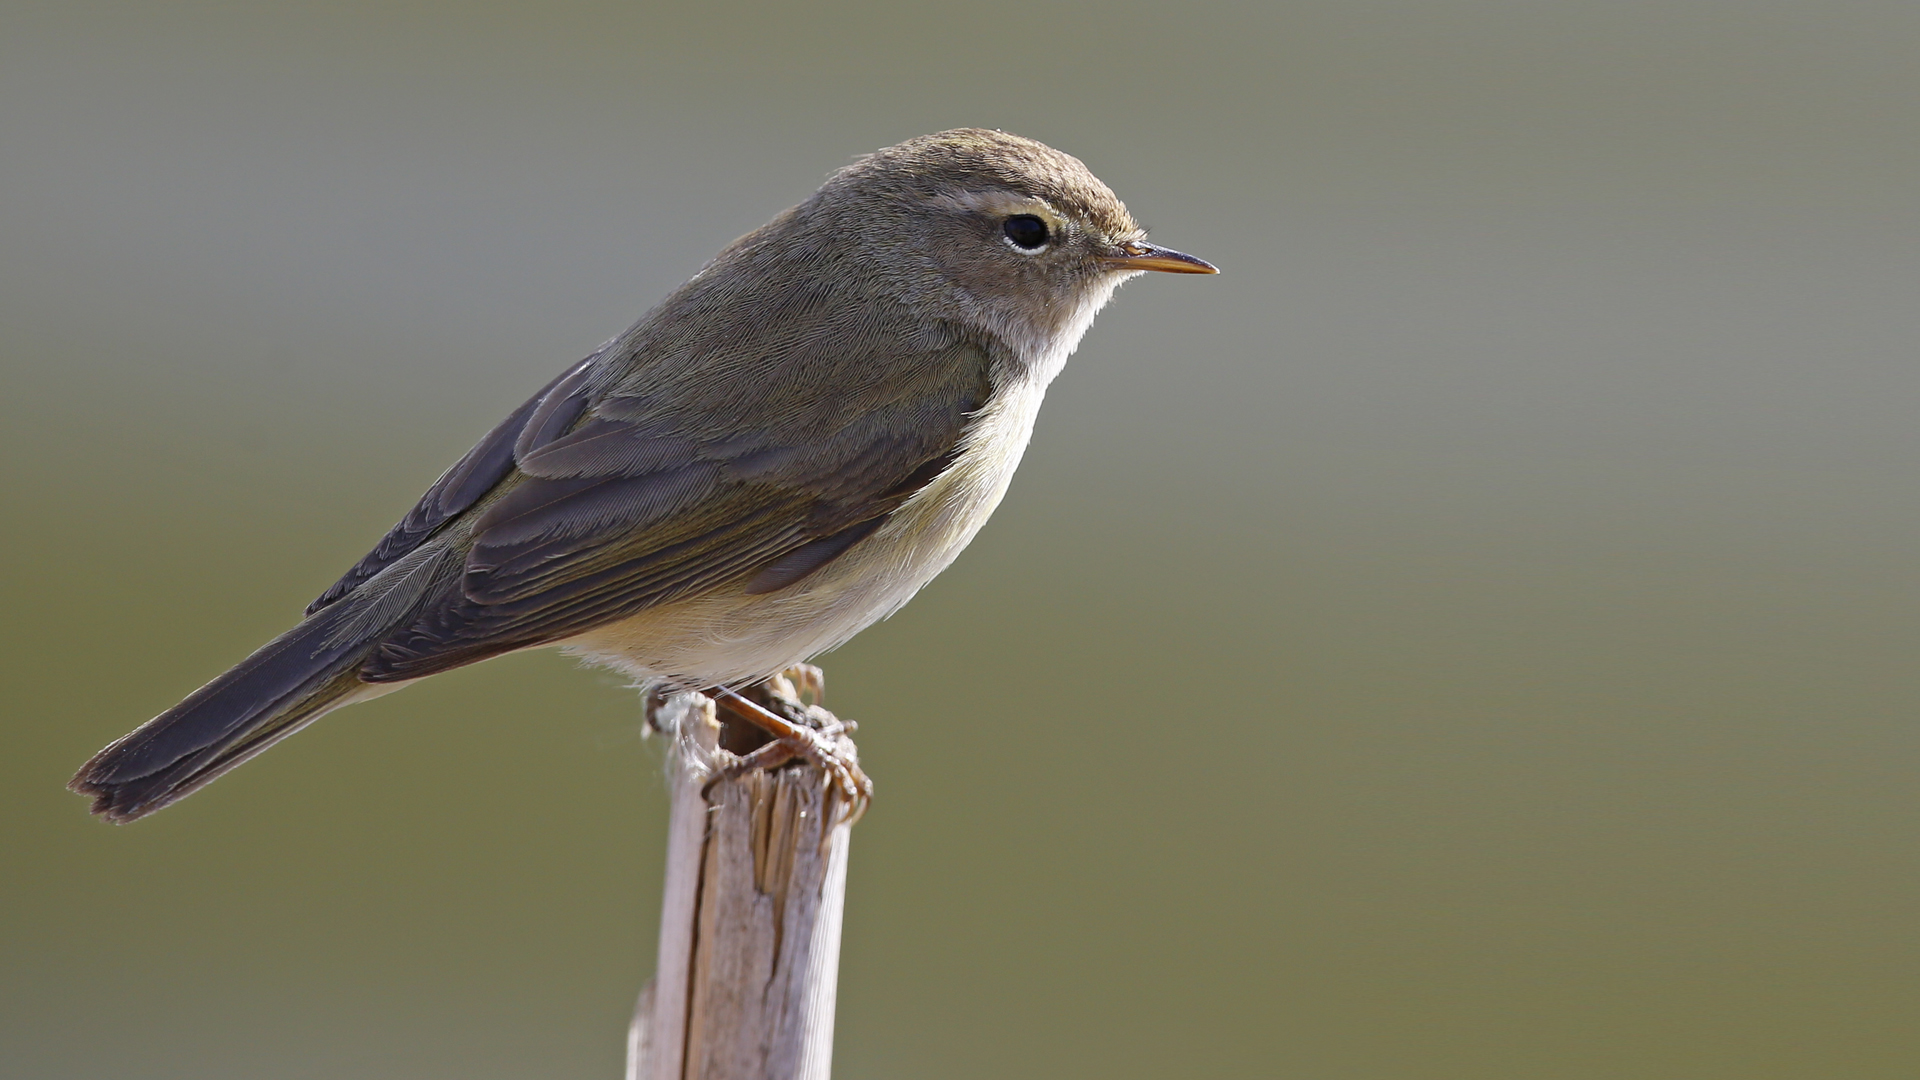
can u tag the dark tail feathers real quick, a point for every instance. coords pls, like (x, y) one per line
(290, 682)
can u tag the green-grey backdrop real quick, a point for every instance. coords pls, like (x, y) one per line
(1472, 639)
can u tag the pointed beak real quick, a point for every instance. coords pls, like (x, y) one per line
(1138, 255)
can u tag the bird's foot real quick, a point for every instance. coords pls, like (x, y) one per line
(804, 683)
(797, 729)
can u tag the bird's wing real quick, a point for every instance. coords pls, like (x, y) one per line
(465, 484)
(748, 467)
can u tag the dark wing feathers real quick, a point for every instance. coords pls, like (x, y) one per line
(810, 556)
(460, 487)
(594, 526)
(604, 447)
(653, 489)
(557, 407)
(464, 630)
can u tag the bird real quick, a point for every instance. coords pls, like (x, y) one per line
(779, 454)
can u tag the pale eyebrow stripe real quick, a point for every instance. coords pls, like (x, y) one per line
(997, 201)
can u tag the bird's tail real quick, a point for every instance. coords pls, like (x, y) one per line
(290, 682)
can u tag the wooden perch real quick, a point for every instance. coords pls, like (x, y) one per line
(749, 957)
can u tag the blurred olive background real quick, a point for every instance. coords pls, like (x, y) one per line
(1474, 637)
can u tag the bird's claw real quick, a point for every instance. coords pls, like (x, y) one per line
(804, 682)
(799, 730)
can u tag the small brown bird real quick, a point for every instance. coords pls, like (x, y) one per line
(780, 454)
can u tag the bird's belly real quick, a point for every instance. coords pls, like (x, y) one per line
(731, 637)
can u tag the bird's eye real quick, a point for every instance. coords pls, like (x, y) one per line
(1026, 232)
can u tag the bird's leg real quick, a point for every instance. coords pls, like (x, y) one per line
(798, 730)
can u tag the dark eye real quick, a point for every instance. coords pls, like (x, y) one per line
(1026, 231)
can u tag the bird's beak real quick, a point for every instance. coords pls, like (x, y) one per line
(1137, 255)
